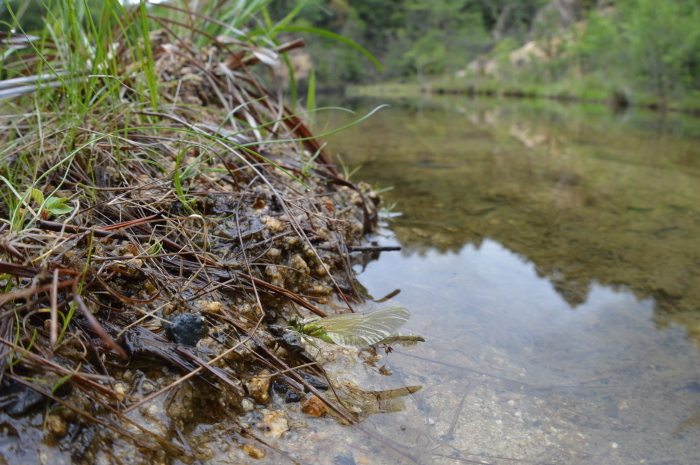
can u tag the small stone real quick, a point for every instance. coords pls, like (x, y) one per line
(275, 424)
(274, 254)
(291, 241)
(186, 328)
(213, 307)
(313, 406)
(292, 397)
(292, 342)
(56, 425)
(315, 383)
(273, 224)
(344, 460)
(321, 271)
(280, 387)
(259, 388)
(299, 264)
(275, 276)
(120, 389)
(247, 405)
(253, 450)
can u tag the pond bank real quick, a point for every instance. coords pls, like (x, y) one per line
(160, 225)
(493, 89)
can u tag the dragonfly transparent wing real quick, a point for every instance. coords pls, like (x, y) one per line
(364, 329)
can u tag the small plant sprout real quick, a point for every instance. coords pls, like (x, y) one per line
(51, 205)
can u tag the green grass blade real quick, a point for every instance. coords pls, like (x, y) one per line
(334, 36)
(311, 97)
(287, 19)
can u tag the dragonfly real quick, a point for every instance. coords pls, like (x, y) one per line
(358, 329)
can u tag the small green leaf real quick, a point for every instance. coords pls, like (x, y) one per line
(57, 206)
(38, 196)
(156, 247)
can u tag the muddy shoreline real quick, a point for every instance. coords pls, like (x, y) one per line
(150, 269)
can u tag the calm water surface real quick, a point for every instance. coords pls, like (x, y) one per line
(551, 258)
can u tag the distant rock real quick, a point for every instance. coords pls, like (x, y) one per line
(526, 54)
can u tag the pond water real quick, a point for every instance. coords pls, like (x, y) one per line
(551, 258)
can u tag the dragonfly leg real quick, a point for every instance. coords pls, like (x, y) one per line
(311, 343)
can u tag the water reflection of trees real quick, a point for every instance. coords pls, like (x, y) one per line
(583, 203)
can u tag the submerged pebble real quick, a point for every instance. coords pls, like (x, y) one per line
(313, 407)
(315, 383)
(253, 451)
(279, 387)
(344, 460)
(274, 424)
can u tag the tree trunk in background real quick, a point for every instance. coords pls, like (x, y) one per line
(502, 22)
(558, 13)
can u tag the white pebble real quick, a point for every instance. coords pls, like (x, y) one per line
(247, 405)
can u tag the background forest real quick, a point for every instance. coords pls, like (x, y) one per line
(643, 50)
(635, 50)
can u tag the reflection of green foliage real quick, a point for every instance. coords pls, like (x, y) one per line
(586, 195)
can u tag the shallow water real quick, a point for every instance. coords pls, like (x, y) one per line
(551, 259)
